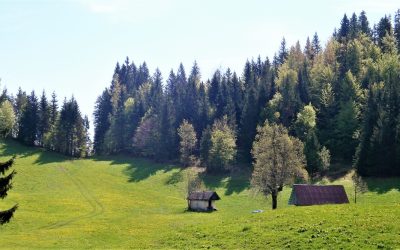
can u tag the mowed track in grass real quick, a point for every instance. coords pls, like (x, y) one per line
(120, 202)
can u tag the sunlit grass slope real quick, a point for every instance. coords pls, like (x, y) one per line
(120, 202)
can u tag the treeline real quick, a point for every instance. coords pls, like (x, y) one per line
(342, 101)
(37, 121)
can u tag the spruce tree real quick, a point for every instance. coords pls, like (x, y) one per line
(344, 29)
(101, 114)
(316, 45)
(364, 24)
(283, 52)
(5, 186)
(28, 130)
(353, 26)
(383, 28)
(397, 28)
(44, 118)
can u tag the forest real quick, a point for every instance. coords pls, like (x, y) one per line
(342, 100)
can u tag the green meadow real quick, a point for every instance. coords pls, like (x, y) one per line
(121, 202)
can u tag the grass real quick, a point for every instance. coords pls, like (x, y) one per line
(120, 202)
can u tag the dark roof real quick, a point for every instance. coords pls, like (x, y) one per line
(204, 196)
(303, 195)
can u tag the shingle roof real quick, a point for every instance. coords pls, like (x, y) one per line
(204, 196)
(303, 194)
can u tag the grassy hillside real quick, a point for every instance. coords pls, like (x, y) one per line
(119, 202)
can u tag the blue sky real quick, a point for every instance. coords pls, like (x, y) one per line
(71, 47)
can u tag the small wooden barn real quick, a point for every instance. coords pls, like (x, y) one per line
(202, 201)
(306, 195)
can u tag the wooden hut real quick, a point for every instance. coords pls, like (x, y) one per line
(306, 195)
(202, 201)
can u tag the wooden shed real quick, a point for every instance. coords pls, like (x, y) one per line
(202, 201)
(306, 195)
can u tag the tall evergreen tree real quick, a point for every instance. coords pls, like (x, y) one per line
(44, 118)
(102, 114)
(344, 30)
(53, 109)
(364, 24)
(397, 28)
(28, 130)
(315, 45)
(354, 27)
(70, 130)
(5, 186)
(384, 27)
(283, 52)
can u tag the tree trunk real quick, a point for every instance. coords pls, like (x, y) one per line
(274, 200)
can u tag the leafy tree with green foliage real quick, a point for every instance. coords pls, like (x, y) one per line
(288, 85)
(146, 139)
(188, 142)
(5, 186)
(278, 160)
(317, 159)
(222, 152)
(306, 121)
(7, 118)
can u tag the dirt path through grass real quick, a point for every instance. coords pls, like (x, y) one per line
(97, 207)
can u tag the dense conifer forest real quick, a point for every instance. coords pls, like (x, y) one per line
(342, 100)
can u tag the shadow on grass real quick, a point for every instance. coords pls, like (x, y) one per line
(233, 182)
(175, 178)
(12, 147)
(137, 169)
(382, 185)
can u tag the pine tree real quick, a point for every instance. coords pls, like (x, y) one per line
(214, 87)
(353, 26)
(283, 52)
(53, 109)
(315, 45)
(248, 123)
(28, 130)
(20, 103)
(364, 24)
(5, 186)
(308, 51)
(384, 27)
(70, 130)
(102, 114)
(397, 28)
(344, 29)
(44, 118)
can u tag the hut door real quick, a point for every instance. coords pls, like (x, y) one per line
(209, 204)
